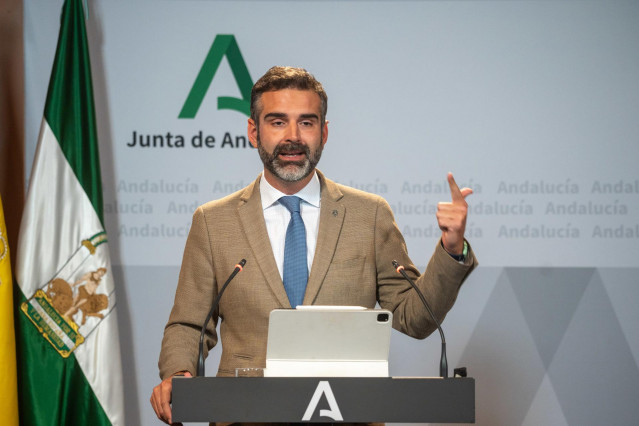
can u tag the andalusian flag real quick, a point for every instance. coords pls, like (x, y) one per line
(8, 381)
(68, 353)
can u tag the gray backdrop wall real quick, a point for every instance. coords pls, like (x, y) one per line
(534, 104)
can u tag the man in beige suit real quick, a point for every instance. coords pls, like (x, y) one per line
(351, 239)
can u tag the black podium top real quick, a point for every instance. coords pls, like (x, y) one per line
(330, 400)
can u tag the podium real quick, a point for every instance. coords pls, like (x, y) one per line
(323, 399)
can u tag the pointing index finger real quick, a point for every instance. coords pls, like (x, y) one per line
(454, 189)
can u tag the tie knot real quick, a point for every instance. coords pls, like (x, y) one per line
(291, 202)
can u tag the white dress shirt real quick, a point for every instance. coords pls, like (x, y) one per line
(277, 218)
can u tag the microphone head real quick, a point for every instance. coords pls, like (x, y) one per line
(399, 268)
(240, 266)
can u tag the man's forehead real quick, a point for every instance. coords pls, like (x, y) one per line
(290, 99)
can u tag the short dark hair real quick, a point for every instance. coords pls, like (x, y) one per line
(279, 78)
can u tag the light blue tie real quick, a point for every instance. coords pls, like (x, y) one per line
(295, 263)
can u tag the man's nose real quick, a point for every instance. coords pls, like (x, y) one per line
(293, 133)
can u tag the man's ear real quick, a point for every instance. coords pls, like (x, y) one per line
(325, 132)
(251, 131)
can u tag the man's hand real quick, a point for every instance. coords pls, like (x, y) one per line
(451, 218)
(161, 398)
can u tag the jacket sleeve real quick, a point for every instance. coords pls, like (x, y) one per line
(440, 283)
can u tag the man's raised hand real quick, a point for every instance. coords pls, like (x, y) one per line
(451, 217)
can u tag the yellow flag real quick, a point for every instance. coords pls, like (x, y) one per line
(8, 378)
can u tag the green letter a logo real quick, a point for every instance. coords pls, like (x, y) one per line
(224, 44)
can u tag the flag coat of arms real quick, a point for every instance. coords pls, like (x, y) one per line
(68, 353)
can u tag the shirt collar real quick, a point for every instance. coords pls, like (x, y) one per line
(310, 193)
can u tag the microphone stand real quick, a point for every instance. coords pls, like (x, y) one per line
(200, 355)
(443, 363)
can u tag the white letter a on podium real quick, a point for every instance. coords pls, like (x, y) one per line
(323, 388)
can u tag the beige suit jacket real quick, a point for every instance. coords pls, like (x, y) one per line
(357, 240)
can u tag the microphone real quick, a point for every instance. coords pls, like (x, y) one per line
(443, 363)
(216, 302)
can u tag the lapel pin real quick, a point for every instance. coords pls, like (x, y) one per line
(335, 213)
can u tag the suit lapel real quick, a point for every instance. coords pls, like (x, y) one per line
(252, 218)
(330, 225)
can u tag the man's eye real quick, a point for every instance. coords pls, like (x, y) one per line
(277, 123)
(306, 123)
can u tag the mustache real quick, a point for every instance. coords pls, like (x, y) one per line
(289, 147)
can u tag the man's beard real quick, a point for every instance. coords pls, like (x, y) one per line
(289, 171)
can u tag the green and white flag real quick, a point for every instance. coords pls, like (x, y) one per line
(68, 353)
